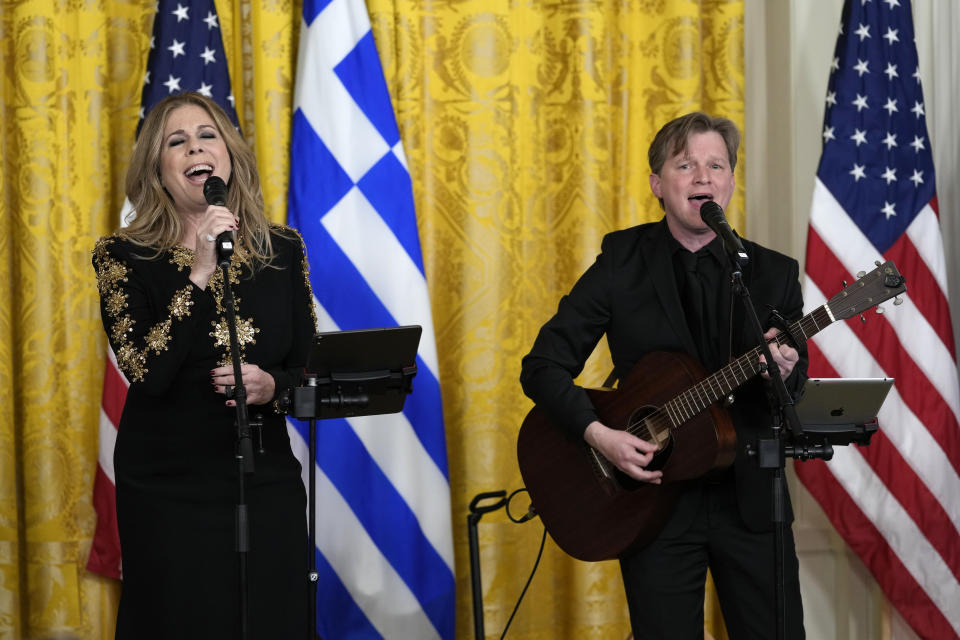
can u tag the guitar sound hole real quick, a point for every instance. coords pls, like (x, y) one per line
(639, 428)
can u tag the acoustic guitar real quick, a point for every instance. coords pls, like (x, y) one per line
(591, 509)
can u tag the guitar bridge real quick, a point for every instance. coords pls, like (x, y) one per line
(603, 469)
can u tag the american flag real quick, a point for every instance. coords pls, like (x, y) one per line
(384, 539)
(895, 501)
(186, 54)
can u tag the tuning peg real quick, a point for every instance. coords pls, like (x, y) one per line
(860, 274)
(897, 301)
(862, 319)
(844, 283)
(880, 310)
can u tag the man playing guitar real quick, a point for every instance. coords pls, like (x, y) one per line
(665, 287)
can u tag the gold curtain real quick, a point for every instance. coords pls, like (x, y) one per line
(525, 126)
(72, 74)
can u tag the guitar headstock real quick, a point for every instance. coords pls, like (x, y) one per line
(868, 291)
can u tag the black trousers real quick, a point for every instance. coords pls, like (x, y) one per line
(665, 580)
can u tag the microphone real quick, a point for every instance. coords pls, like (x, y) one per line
(215, 192)
(712, 215)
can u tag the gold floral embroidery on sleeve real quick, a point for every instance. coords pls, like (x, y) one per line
(159, 336)
(111, 274)
(305, 270)
(116, 301)
(110, 271)
(132, 361)
(306, 282)
(121, 327)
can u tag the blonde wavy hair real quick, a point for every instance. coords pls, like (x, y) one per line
(155, 223)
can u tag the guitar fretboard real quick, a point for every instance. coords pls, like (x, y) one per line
(729, 378)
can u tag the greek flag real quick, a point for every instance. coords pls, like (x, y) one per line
(384, 541)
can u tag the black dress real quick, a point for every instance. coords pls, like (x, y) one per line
(176, 474)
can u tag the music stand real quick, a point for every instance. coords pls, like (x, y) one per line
(831, 412)
(837, 412)
(350, 373)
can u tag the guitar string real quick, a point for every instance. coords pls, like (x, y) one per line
(661, 415)
(808, 326)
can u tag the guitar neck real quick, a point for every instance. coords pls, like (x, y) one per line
(720, 384)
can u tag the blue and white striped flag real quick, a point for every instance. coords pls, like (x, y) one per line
(384, 539)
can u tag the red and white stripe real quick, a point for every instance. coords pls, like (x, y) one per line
(895, 501)
(105, 550)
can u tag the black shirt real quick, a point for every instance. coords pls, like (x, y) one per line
(703, 283)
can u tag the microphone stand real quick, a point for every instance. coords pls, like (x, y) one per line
(476, 512)
(771, 452)
(244, 447)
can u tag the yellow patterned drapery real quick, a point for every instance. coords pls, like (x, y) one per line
(526, 127)
(70, 94)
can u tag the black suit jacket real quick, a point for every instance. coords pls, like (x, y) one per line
(630, 294)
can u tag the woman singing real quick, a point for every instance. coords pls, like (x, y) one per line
(163, 308)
